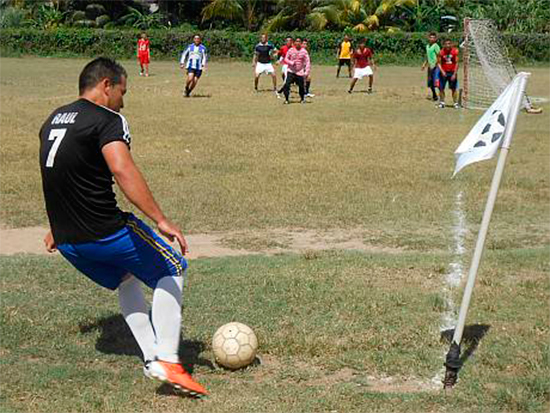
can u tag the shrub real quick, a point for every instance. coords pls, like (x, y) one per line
(167, 44)
(11, 17)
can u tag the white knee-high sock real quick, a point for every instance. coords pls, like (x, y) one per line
(136, 313)
(166, 316)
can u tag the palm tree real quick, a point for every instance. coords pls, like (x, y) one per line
(360, 15)
(293, 14)
(242, 11)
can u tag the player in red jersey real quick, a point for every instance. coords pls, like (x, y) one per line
(143, 54)
(447, 62)
(282, 54)
(363, 65)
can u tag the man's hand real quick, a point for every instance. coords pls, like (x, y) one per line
(49, 242)
(171, 231)
(453, 77)
(423, 66)
(443, 73)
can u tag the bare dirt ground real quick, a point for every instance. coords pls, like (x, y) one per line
(218, 244)
(319, 377)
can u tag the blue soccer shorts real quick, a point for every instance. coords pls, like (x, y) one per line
(196, 72)
(453, 84)
(134, 249)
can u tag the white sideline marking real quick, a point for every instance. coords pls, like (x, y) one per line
(454, 277)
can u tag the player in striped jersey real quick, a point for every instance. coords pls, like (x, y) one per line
(193, 59)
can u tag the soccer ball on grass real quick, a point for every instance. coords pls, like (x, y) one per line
(234, 345)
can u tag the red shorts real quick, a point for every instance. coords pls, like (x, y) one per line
(143, 58)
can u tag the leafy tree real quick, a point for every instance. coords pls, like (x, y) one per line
(47, 17)
(293, 14)
(360, 15)
(143, 20)
(246, 12)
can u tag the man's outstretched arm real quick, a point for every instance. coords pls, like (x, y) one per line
(135, 188)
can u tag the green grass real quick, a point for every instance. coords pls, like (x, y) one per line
(327, 327)
(331, 325)
(379, 163)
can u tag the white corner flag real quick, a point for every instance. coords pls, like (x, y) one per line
(494, 130)
(487, 135)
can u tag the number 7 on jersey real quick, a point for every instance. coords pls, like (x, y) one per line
(57, 136)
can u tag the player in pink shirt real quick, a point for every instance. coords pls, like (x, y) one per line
(299, 66)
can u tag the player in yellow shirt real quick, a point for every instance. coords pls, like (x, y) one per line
(344, 55)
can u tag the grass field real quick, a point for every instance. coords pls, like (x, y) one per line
(338, 331)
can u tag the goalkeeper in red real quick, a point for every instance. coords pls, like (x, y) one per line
(447, 62)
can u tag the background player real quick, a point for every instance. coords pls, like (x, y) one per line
(143, 54)
(363, 65)
(283, 50)
(432, 53)
(196, 57)
(261, 62)
(298, 63)
(447, 63)
(344, 55)
(305, 44)
(83, 145)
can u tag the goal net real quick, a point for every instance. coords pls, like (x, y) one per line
(487, 66)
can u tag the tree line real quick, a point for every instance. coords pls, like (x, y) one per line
(352, 16)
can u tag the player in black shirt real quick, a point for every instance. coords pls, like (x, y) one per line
(261, 62)
(83, 145)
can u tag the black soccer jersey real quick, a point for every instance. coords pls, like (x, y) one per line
(264, 52)
(77, 183)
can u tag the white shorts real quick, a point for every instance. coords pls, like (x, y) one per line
(266, 68)
(361, 73)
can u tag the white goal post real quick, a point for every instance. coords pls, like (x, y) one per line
(487, 67)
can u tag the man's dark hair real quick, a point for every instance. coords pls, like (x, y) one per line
(433, 34)
(99, 69)
(447, 40)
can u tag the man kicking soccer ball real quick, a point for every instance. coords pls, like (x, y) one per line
(83, 145)
(261, 62)
(195, 56)
(447, 62)
(363, 64)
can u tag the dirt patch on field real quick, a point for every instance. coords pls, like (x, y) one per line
(307, 374)
(30, 240)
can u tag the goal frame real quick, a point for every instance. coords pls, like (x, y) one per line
(466, 90)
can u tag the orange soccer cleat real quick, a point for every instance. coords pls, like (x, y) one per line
(175, 375)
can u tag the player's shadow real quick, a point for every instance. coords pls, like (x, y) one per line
(200, 96)
(471, 337)
(115, 337)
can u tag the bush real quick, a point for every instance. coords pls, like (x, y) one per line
(11, 17)
(398, 48)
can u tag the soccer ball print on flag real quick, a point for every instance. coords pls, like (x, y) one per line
(487, 134)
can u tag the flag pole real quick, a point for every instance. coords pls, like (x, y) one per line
(453, 362)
